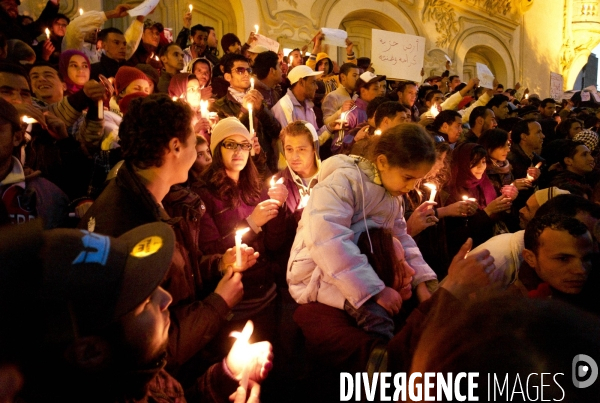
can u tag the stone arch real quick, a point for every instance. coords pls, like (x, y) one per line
(359, 22)
(483, 46)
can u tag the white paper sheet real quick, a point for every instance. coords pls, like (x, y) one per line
(144, 8)
(335, 37)
(266, 42)
(397, 56)
(486, 78)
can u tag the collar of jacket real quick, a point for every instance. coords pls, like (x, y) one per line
(131, 182)
(368, 168)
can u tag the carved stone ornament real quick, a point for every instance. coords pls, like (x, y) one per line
(444, 17)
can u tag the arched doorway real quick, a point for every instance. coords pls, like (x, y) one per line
(488, 56)
(359, 25)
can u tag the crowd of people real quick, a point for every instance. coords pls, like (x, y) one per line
(160, 197)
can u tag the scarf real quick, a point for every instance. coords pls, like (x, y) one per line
(464, 183)
(237, 95)
(63, 67)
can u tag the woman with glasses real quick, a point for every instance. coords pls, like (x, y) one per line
(236, 199)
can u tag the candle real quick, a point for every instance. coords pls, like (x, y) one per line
(434, 110)
(191, 8)
(538, 165)
(529, 177)
(174, 99)
(433, 190)
(526, 96)
(238, 246)
(47, 33)
(467, 198)
(81, 11)
(242, 352)
(251, 83)
(100, 110)
(291, 60)
(256, 29)
(28, 120)
(272, 183)
(251, 123)
(204, 109)
(377, 132)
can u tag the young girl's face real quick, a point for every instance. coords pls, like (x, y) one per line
(500, 153)
(398, 180)
(403, 280)
(479, 169)
(78, 70)
(203, 157)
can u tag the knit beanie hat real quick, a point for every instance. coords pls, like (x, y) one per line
(19, 52)
(124, 103)
(542, 196)
(63, 66)
(125, 76)
(227, 40)
(149, 71)
(226, 128)
(587, 137)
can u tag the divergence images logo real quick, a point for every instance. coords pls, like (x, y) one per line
(584, 367)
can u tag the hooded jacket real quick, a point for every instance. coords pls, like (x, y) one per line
(325, 264)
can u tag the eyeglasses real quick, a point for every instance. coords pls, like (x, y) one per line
(232, 145)
(242, 70)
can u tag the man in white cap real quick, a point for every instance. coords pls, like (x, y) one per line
(297, 103)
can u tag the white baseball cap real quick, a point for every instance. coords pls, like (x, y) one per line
(301, 71)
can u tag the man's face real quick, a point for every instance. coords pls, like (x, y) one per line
(436, 100)
(151, 36)
(309, 84)
(388, 123)
(239, 78)
(115, 46)
(501, 111)
(455, 81)
(369, 93)
(582, 162)
(212, 40)
(276, 73)
(349, 81)
(452, 130)
(235, 48)
(490, 121)
(323, 66)
(527, 212)
(10, 7)
(14, 88)
(200, 40)
(202, 73)
(173, 59)
(408, 96)
(146, 328)
(297, 58)
(535, 138)
(548, 110)
(59, 27)
(562, 260)
(46, 84)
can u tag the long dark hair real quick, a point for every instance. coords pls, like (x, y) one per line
(406, 146)
(247, 189)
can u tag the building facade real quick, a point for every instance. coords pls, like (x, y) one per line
(520, 40)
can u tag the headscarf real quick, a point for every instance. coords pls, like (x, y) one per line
(464, 183)
(63, 67)
(178, 84)
(192, 64)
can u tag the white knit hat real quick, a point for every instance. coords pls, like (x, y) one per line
(542, 196)
(226, 128)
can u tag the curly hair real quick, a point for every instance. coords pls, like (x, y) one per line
(148, 126)
(247, 189)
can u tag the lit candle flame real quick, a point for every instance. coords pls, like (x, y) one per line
(238, 246)
(81, 11)
(432, 189)
(47, 33)
(28, 120)
(156, 58)
(251, 83)
(434, 110)
(465, 198)
(191, 8)
(256, 29)
(526, 96)
(174, 99)
(272, 183)
(242, 347)
(377, 132)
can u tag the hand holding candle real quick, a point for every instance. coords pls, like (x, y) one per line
(278, 191)
(249, 361)
(238, 246)
(434, 110)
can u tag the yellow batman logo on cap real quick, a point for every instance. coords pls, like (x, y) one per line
(147, 246)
